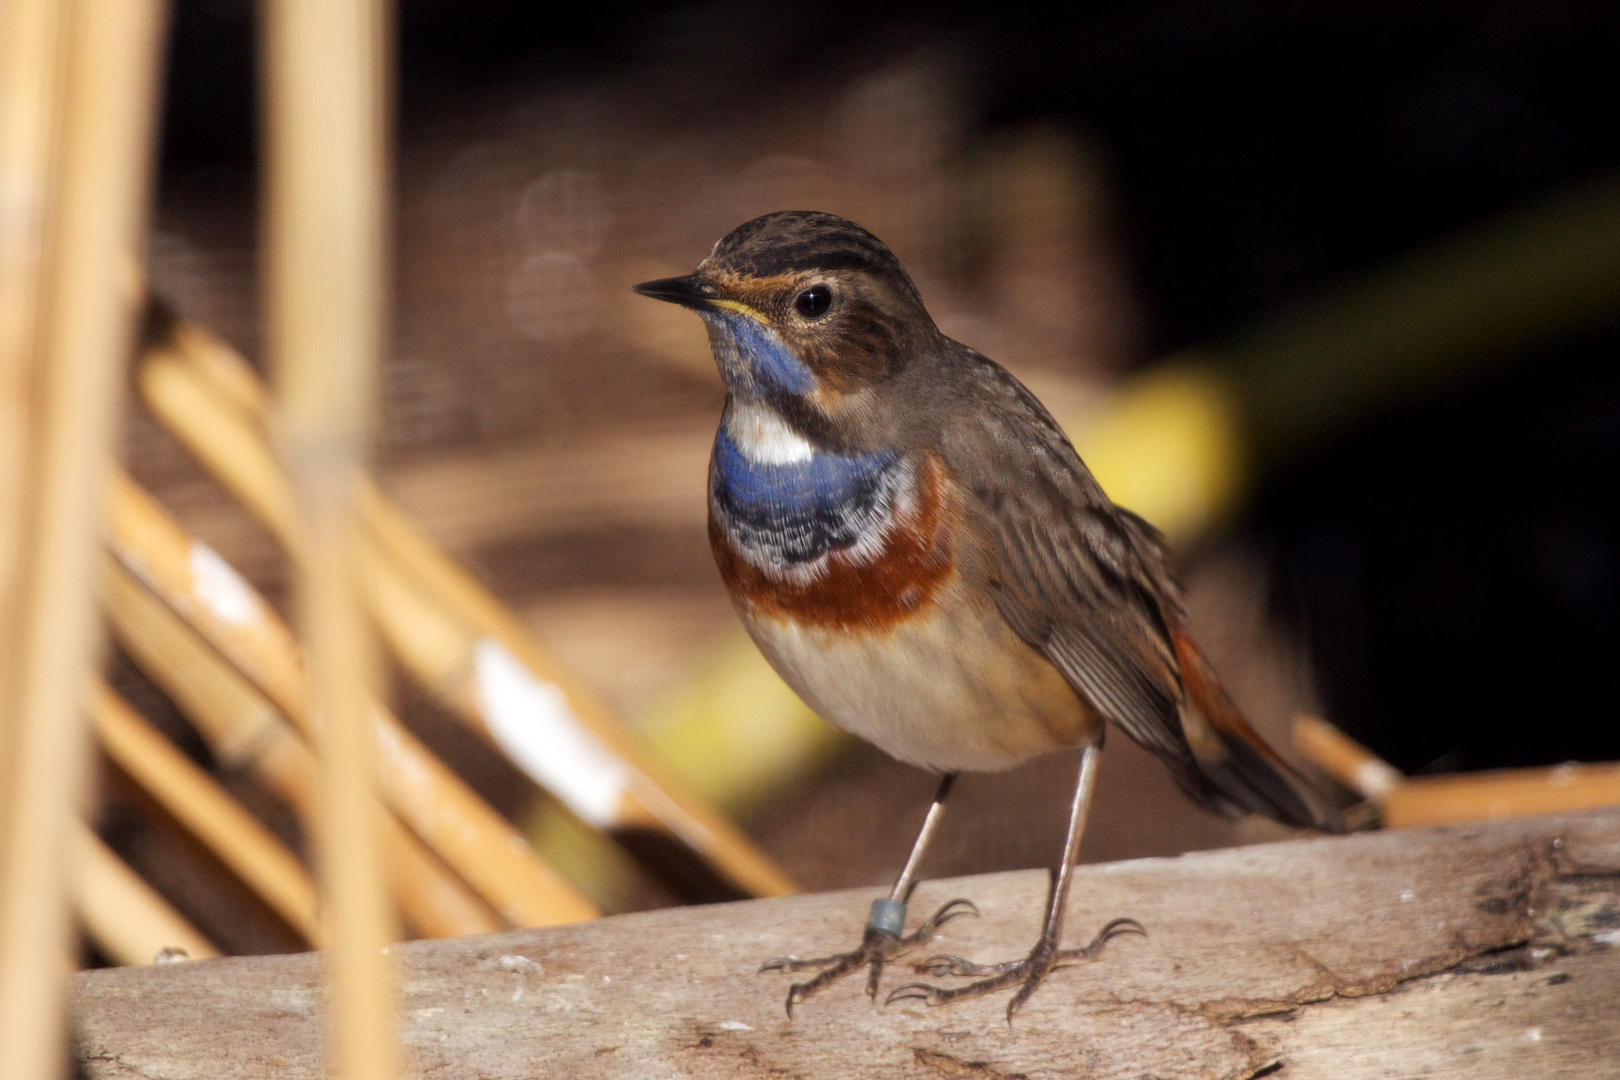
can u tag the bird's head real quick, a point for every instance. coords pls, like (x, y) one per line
(807, 313)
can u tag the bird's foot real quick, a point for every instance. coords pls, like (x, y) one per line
(1031, 971)
(881, 943)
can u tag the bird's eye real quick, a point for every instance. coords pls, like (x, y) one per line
(814, 301)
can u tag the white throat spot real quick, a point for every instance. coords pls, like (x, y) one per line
(764, 437)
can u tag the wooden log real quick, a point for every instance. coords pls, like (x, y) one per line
(1487, 951)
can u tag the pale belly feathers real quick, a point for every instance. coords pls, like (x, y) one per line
(950, 689)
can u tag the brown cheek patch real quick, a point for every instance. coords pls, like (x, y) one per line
(861, 350)
(869, 596)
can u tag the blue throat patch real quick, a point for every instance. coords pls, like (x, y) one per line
(763, 362)
(799, 511)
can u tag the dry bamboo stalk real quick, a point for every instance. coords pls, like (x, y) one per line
(482, 660)
(489, 668)
(1447, 800)
(1405, 801)
(237, 722)
(1344, 759)
(489, 853)
(326, 92)
(437, 804)
(204, 590)
(31, 53)
(244, 730)
(126, 918)
(231, 379)
(206, 810)
(112, 49)
(231, 446)
(435, 902)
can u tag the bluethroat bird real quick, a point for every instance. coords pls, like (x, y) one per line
(915, 546)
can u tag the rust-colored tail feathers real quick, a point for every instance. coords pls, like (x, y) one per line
(1237, 763)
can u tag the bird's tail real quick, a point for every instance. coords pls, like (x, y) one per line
(1246, 772)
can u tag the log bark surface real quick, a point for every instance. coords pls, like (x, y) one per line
(1482, 951)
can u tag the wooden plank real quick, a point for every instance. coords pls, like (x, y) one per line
(1484, 950)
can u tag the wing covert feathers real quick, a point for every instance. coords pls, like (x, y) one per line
(1085, 583)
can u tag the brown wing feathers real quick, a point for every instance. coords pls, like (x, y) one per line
(1085, 583)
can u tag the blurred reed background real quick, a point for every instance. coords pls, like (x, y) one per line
(1433, 566)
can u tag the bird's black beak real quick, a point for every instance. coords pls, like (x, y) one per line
(687, 291)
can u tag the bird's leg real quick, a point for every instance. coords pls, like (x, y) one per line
(1045, 956)
(885, 937)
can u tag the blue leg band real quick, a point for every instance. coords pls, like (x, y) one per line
(888, 916)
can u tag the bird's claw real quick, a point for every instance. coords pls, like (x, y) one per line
(1030, 971)
(794, 963)
(1113, 929)
(876, 948)
(1005, 975)
(947, 912)
(932, 995)
(941, 966)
